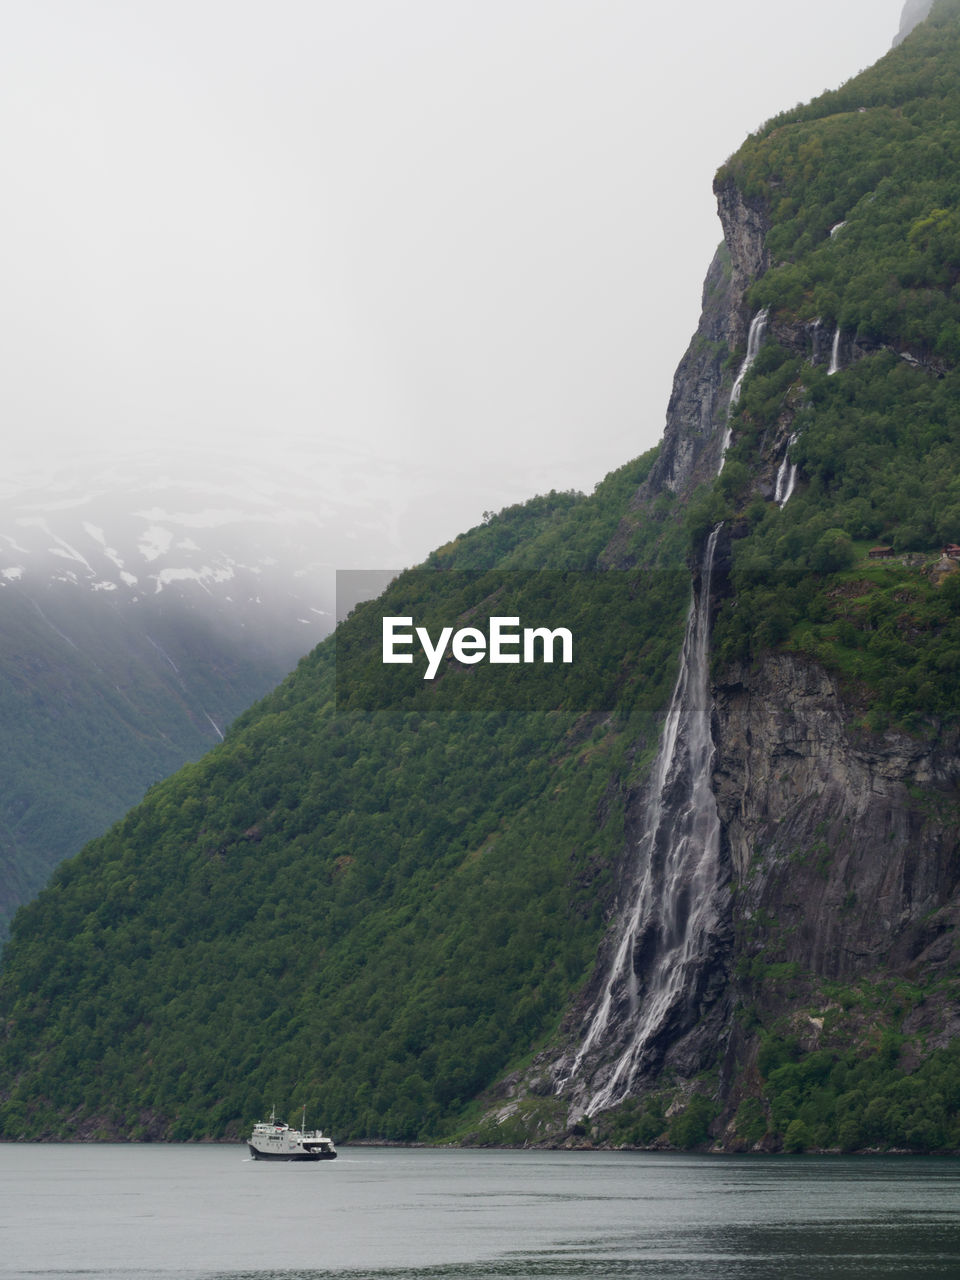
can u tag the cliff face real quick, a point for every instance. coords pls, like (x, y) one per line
(845, 890)
(843, 844)
(697, 412)
(838, 868)
(660, 1000)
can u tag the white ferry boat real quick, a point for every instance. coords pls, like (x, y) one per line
(271, 1140)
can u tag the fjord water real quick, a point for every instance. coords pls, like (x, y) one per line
(210, 1213)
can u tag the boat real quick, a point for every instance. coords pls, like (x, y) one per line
(272, 1140)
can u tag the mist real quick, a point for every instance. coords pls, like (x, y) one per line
(444, 251)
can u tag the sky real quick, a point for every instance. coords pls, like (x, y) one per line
(453, 246)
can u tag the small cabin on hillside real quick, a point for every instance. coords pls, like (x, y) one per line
(952, 551)
(881, 553)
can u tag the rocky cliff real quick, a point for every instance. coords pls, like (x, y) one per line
(698, 407)
(847, 839)
(838, 867)
(843, 849)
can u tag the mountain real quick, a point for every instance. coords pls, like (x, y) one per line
(914, 12)
(143, 604)
(700, 885)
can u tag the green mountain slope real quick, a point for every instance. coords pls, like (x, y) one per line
(861, 191)
(97, 702)
(396, 899)
(380, 908)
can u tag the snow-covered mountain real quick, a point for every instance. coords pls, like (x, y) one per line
(255, 540)
(145, 601)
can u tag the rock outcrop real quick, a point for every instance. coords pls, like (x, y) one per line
(843, 844)
(699, 403)
(914, 12)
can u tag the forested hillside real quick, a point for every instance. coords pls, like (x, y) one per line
(96, 705)
(372, 908)
(399, 901)
(862, 190)
(144, 603)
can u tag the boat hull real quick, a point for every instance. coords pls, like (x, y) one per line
(311, 1156)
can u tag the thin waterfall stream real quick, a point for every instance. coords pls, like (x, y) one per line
(758, 327)
(786, 476)
(654, 980)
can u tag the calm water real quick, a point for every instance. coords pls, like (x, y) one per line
(209, 1213)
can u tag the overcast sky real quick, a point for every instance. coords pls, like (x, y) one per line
(462, 238)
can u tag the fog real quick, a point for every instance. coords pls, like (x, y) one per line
(454, 247)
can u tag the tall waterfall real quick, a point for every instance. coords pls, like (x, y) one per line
(758, 327)
(653, 983)
(835, 354)
(786, 476)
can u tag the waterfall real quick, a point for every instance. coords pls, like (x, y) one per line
(758, 327)
(724, 446)
(653, 981)
(786, 476)
(667, 936)
(835, 354)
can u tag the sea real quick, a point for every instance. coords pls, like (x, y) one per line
(192, 1212)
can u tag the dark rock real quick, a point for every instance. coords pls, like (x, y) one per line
(847, 841)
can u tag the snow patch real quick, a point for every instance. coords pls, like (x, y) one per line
(166, 576)
(62, 548)
(71, 553)
(154, 541)
(201, 576)
(64, 554)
